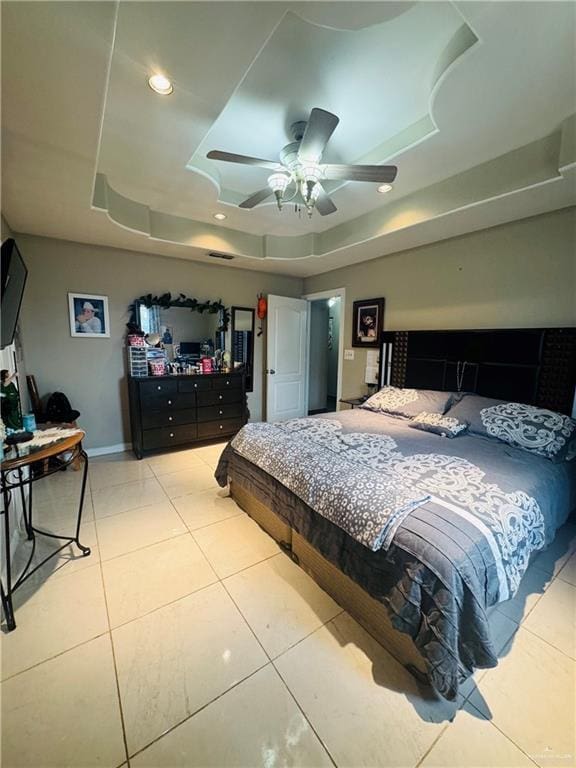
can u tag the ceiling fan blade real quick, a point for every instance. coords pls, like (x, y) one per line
(256, 198)
(324, 204)
(320, 127)
(230, 157)
(375, 173)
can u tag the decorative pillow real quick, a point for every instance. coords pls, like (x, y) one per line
(533, 429)
(446, 426)
(409, 402)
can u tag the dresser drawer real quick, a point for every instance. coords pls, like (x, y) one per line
(155, 388)
(222, 411)
(168, 417)
(226, 382)
(168, 402)
(208, 429)
(214, 397)
(167, 436)
(196, 384)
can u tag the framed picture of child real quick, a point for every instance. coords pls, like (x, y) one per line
(89, 316)
(367, 322)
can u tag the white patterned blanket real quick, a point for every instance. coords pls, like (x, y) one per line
(346, 478)
(362, 483)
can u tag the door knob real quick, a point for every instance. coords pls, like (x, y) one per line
(272, 371)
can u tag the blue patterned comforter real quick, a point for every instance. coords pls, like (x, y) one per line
(471, 511)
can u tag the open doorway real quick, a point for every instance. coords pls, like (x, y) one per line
(324, 353)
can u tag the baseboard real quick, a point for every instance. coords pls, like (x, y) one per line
(103, 450)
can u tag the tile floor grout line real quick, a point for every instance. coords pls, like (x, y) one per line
(246, 568)
(151, 476)
(508, 738)
(272, 660)
(200, 709)
(146, 546)
(540, 596)
(246, 621)
(203, 463)
(55, 656)
(312, 728)
(565, 581)
(202, 527)
(113, 650)
(165, 605)
(181, 597)
(436, 740)
(323, 624)
(548, 643)
(97, 518)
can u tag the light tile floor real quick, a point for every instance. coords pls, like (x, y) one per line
(188, 638)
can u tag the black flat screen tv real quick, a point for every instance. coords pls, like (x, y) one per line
(13, 280)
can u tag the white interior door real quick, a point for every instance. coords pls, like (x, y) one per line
(287, 353)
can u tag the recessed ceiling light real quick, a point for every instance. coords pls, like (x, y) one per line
(160, 84)
(383, 188)
(220, 216)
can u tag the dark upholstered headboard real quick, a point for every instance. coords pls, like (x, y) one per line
(527, 365)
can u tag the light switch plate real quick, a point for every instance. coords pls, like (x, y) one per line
(348, 354)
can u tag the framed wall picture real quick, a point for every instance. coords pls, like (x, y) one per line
(89, 315)
(367, 322)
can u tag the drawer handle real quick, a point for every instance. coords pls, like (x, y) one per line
(169, 402)
(158, 387)
(221, 426)
(220, 412)
(220, 397)
(169, 418)
(227, 382)
(195, 386)
(171, 434)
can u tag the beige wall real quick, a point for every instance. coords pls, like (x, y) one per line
(516, 275)
(5, 231)
(92, 371)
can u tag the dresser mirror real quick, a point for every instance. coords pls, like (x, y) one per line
(183, 332)
(243, 343)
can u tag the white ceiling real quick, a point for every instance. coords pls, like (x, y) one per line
(470, 100)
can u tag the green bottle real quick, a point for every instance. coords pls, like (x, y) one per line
(10, 402)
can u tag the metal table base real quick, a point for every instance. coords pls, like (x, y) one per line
(11, 481)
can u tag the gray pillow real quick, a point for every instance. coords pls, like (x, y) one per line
(533, 429)
(409, 402)
(446, 426)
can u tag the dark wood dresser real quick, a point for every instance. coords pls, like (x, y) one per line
(167, 411)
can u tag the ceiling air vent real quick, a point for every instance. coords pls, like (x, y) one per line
(225, 256)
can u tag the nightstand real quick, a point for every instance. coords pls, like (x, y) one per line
(353, 402)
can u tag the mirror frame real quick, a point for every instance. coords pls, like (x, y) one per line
(250, 375)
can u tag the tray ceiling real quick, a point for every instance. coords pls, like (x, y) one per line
(471, 107)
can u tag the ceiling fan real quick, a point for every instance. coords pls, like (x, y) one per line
(300, 166)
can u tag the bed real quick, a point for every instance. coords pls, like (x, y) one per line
(416, 535)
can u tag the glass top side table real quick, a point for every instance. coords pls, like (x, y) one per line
(26, 464)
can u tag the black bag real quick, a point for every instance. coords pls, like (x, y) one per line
(59, 410)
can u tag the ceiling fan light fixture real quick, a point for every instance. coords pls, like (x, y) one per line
(160, 84)
(278, 182)
(310, 191)
(383, 188)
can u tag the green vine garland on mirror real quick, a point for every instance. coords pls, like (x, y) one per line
(165, 301)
